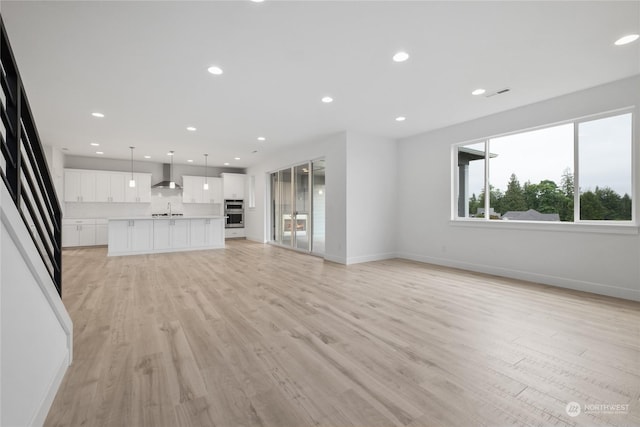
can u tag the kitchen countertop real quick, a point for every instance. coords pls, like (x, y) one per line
(159, 218)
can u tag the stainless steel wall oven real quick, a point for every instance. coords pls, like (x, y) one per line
(234, 211)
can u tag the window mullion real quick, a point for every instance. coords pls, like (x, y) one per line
(576, 172)
(487, 188)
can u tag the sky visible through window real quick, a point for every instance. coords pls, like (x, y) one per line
(605, 156)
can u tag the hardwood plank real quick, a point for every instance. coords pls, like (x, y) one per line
(255, 335)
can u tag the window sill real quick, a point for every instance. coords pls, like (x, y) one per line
(570, 227)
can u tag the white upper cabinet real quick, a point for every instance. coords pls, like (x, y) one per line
(141, 193)
(110, 187)
(193, 190)
(79, 186)
(214, 193)
(233, 185)
(106, 187)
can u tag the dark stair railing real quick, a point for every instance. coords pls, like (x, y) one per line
(24, 167)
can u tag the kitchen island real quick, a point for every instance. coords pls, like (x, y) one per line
(147, 235)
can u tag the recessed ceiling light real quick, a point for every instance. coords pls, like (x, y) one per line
(327, 99)
(191, 129)
(262, 138)
(99, 152)
(257, 1)
(95, 144)
(147, 157)
(96, 114)
(627, 39)
(190, 160)
(400, 119)
(170, 153)
(478, 91)
(236, 158)
(215, 70)
(400, 56)
(226, 163)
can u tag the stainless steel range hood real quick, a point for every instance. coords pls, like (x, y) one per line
(166, 178)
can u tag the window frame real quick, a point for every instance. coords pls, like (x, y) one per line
(623, 226)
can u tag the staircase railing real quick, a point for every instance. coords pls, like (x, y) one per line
(23, 166)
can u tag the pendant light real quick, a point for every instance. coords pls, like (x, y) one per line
(172, 183)
(132, 181)
(206, 184)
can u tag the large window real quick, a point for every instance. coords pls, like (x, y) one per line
(531, 175)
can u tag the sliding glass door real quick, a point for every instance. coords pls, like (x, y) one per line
(293, 207)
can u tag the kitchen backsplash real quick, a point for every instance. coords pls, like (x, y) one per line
(160, 198)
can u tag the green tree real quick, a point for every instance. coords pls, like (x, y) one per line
(550, 197)
(530, 192)
(513, 199)
(590, 206)
(474, 204)
(625, 207)
(611, 203)
(566, 183)
(495, 198)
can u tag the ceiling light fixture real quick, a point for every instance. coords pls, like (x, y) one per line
(257, 1)
(206, 184)
(147, 157)
(262, 138)
(95, 144)
(99, 152)
(327, 99)
(96, 114)
(478, 91)
(226, 163)
(170, 153)
(236, 158)
(132, 182)
(630, 38)
(400, 119)
(191, 129)
(215, 70)
(190, 160)
(172, 183)
(400, 57)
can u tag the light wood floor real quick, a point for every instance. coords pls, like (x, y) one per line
(255, 335)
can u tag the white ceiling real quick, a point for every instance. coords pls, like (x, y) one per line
(144, 65)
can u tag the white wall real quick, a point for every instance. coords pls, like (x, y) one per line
(35, 330)
(570, 256)
(333, 149)
(371, 198)
(360, 195)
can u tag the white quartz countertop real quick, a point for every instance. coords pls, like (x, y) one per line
(161, 218)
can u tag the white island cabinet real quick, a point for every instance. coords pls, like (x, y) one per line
(132, 236)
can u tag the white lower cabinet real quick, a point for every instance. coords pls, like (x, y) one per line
(171, 234)
(80, 232)
(102, 231)
(205, 232)
(137, 236)
(234, 233)
(130, 236)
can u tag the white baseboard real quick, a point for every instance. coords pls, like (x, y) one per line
(370, 258)
(336, 259)
(43, 409)
(561, 282)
